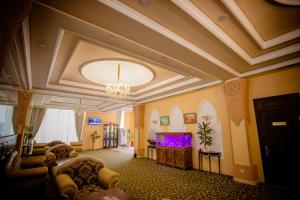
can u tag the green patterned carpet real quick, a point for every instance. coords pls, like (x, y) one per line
(145, 180)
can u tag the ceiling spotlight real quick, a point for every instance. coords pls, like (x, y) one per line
(222, 18)
(42, 45)
(145, 2)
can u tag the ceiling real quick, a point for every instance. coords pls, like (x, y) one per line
(186, 44)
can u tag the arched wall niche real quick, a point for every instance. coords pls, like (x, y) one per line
(206, 111)
(176, 120)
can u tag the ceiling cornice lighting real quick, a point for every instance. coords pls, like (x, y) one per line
(117, 89)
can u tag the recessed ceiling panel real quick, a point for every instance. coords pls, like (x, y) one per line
(106, 71)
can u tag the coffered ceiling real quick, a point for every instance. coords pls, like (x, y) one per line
(186, 44)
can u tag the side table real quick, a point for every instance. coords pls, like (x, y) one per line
(209, 154)
(150, 148)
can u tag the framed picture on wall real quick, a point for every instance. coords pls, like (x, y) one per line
(190, 118)
(164, 121)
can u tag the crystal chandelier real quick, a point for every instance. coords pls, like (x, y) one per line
(117, 89)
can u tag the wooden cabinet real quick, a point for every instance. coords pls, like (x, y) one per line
(176, 157)
(110, 136)
(174, 149)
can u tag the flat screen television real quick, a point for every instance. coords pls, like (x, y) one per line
(94, 120)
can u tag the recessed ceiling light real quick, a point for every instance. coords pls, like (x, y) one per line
(145, 2)
(42, 45)
(222, 18)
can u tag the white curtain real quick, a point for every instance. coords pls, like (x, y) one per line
(37, 117)
(6, 117)
(58, 124)
(79, 121)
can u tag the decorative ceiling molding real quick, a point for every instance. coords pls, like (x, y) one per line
(289, 2)
(206, 22)
(26, 40)
(185, 90)
(271, 67)
(174, 86)
(59, 38)
(133, 14)
(245, 22)
(155, 85)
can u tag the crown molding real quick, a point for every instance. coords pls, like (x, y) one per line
(133, 14)
(245, 22)
(271, 67)
(206, 22)
(26, 43)
(185, 90)
(59, 38)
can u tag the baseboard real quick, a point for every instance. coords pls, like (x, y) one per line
(250, 182)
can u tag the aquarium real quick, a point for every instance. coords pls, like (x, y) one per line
(174, 140)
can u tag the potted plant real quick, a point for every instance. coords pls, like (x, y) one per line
(204, 132)
(94, 136)
(28, 134)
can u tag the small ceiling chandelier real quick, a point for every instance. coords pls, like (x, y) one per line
(117, 89)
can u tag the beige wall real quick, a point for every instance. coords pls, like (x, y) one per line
(129, 123)
(109, 117)
(189, 103)
(277, 83)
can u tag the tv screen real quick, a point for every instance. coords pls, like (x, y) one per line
(94, 121)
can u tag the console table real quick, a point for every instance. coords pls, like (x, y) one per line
(209, 154)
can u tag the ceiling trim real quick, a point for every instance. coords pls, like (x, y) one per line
(271, 67)
(289, 2)
(155, 85)
(105, 104)
(120, 7)
(206, 22)
(83, 85)
(123, 50)
(185, 90)
(59, 38)
(84, 91)
(174, 86)
(114, 107)
(26, 41)
(14, 66)
(245, 22)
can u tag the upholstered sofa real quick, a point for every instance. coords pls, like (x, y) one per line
(59, 154)
(40, 148)
(18, 178)
(83, 175)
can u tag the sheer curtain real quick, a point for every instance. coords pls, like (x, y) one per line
(6, 127)
(58, 124)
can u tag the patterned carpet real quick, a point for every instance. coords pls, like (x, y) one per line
(145, 180)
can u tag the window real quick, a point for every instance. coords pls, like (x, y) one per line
(58, 124)
(6, 127)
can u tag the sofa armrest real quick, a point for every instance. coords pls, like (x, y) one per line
(66, 186)
(50, 155)
(31, 172)
(73, 153)
(108, 178)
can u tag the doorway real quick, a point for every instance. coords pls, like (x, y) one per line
(278, 124)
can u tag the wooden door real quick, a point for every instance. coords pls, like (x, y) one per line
(278, 123)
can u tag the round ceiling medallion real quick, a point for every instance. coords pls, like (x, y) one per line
(106, 71)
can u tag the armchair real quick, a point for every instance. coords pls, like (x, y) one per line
(83, 175)
(17, 178)
(59, 154)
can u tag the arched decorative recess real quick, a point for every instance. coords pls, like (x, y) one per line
(176, 120)
(207, 111)
(154, 124)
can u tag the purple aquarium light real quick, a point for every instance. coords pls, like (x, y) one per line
(174, 140)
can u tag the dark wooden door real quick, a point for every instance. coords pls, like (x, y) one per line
(278, 123)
